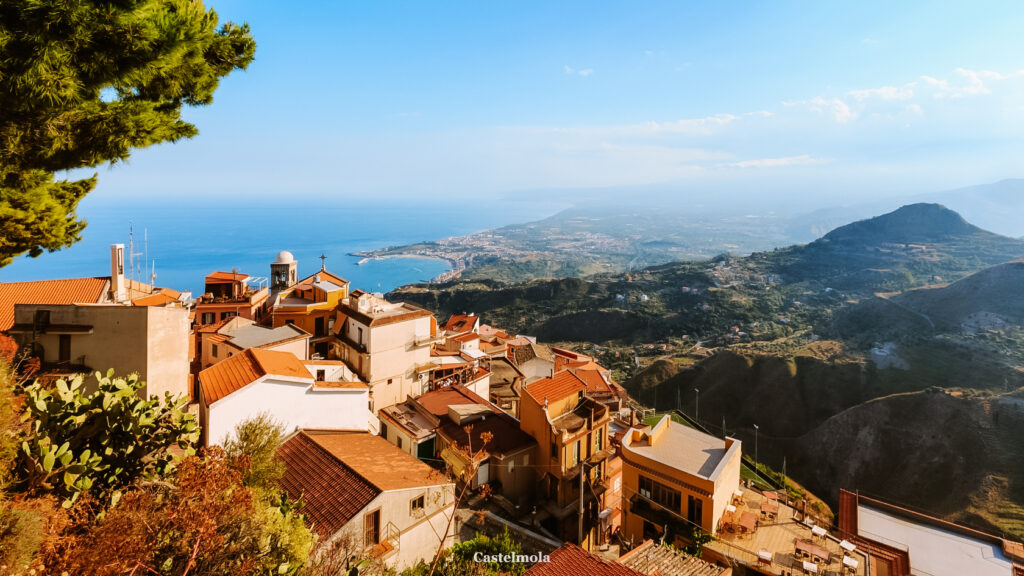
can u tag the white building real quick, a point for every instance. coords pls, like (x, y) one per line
(313, 394)
(365, 495)
(387, 344)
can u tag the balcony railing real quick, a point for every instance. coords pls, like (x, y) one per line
(426, 339)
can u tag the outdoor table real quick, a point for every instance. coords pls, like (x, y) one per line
(805, 548)
(730, 508)
(810, 567)
(729, 519)
(764, 557)
(850, 563)
(748, 521)
(847, 545)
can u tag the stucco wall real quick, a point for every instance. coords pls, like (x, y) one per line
(149, 341)
(293, 404)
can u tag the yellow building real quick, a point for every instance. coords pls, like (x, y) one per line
(571, 431)
(675, 478)
(313, 305)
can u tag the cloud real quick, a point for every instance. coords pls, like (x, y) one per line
(572, 71)
(585, 72)
(839, 110)
(884, 93)
(974, 83)
(801, 160)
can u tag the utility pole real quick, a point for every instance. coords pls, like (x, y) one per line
(696, 405)
(756, 461)
(582, 468)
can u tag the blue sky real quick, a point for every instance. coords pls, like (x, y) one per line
(791, 99)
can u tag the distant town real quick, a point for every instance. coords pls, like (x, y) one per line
(408, 433)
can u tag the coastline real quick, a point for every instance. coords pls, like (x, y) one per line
(455, 267)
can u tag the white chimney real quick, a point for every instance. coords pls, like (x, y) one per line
(118, 292)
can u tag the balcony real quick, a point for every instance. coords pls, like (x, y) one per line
(426, 339)
(349, 342)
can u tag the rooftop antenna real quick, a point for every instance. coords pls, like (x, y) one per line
(131, 255)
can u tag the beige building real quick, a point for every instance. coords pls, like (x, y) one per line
(224, 339)
(150, 341)
(676, 478)
(368, 497)
(388, 345)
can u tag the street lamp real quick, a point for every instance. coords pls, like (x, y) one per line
(696, 406)
(756, 461)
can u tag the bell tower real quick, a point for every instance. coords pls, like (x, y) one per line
(283, 271)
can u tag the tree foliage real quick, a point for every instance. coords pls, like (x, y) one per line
(458, 561)
(100, 442)
(200, 521)
(257, 440)
(83, 83)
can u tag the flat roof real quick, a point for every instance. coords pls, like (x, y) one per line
(254, 335)
(932, 551)
(679, 447)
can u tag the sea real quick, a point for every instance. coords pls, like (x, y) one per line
(183, 240)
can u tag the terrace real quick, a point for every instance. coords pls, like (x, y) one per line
(780, 543)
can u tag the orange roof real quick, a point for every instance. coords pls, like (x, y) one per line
(324, 275)
(158, 299)
(333, 492)
(70, 291)
(467, 337)
(460, 323)
(570, 560)
(594, 381)
(561, 385)
(244, 368)
(384, 465)
(215, 277)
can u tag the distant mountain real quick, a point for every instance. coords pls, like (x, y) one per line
(997, 292)
(998, 206)
(915, 245)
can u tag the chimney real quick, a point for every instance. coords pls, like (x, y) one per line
(118, 292)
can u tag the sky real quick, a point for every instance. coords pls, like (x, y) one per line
(473, 100)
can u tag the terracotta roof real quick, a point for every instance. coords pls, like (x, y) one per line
(571, 560)
(654, 559)
(506, 436)
(438, 401)
(158, 299)
(594, 381)
(332, 491)
(208, 328)
(70, 291)
(331, 384)
(460, 323)
(557, 387)
(246, 367)
(381, 463)
(324, 275)
(468, 337)
(216, 277)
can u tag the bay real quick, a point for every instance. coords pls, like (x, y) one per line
(185, 239)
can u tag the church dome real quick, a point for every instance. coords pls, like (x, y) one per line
(284, 257)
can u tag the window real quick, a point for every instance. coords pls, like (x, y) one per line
(321, 375)
(289, 322)
(694, 510)
(209, 317)
(215, 352)
(660, 494)
(511, 465)
(360, 336)
(576, 453)
(600, 439)
(226, 315)
(416, 504)
(554, 451)
(384, 430)
(390, 380)
(399, 441)
(371, 528)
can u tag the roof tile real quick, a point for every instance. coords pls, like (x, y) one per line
(69, 291)
(571, 560)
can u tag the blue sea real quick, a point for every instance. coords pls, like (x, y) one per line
(189, 238)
